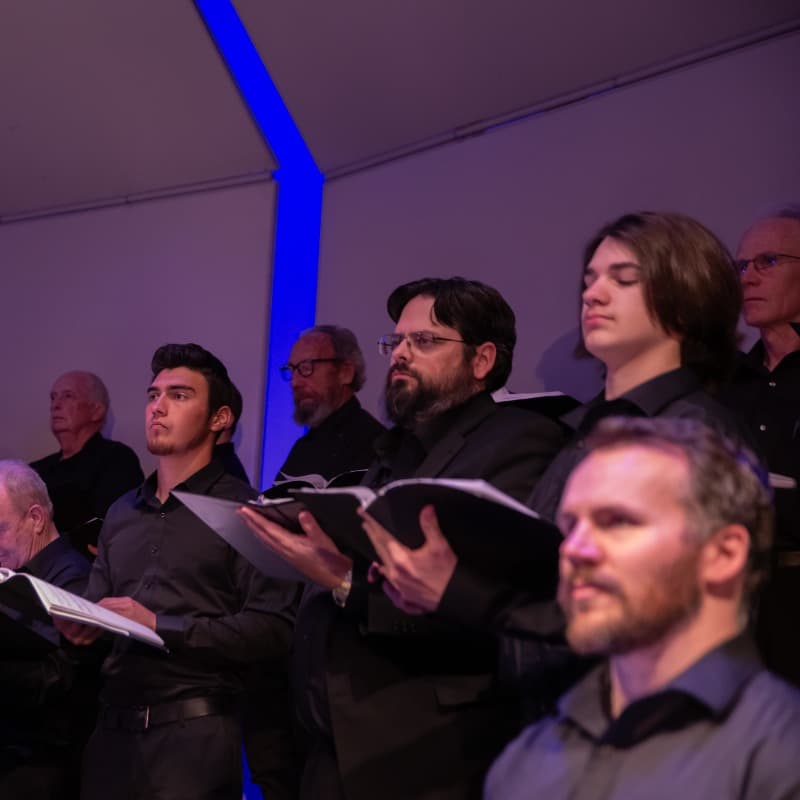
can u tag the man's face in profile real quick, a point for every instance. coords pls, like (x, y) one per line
(629, 566)
(71, 407)
(424, 381)
(177, 419)
(771, 296)
(319, 394)
(16, 534)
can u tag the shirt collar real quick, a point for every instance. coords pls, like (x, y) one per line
(45, 560)
(648, 398)
(709, 687)
(199, 483)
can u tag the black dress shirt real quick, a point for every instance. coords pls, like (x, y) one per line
(215, 612)
(724, 728)
(768, 403)
(340, 443)
(85, 485)
(48, 698)
(678, 393)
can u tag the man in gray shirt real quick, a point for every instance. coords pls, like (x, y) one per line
(667, 530)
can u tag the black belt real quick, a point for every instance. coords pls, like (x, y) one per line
(140, 718)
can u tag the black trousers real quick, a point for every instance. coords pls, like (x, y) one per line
(196, 759)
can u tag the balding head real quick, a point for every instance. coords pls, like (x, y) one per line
(26, 514)
(769, 263)
(78, 407)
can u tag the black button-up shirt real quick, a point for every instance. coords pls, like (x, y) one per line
(46, 697)
(340, 443)
(86, 484)
(769, 404)
(724, 728)
(215, 612)
(678, 393)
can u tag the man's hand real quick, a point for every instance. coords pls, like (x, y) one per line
(128, 607)
(414, 580)
(75, 632)
(315, 554)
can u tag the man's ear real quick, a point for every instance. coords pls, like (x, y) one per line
(484, 360)
(724, 556)
(347, 373)
(221, 419)
(39, 519)
(98, 412)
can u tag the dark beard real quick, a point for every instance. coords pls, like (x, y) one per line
(411, 405)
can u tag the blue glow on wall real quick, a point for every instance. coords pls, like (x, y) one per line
(297, 222)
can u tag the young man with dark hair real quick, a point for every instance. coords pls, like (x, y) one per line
(667, 530)
(170, 723)
(398, 707)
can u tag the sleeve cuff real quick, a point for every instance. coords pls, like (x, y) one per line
(172, 629)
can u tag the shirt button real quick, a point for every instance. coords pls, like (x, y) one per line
(147, 584)
(762, 427)
(162, 515)
(154, 550)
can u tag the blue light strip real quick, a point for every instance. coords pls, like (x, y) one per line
(297, 223)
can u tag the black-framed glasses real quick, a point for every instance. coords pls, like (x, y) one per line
(420, 340)
(763, 262)
(304, 367)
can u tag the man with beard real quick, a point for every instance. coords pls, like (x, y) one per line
(667, 530)
(170, 724)
(397, 706)
(326, 369)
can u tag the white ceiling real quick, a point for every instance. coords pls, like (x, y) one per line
(108, 99)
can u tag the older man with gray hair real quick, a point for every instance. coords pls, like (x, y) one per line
(326, 369)
(765, 392)
(48, 697)
(89, 472)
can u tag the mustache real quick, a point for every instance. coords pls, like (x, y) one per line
(402, 369)
(591, 579)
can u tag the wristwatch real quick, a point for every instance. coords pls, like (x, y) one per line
(342, 591)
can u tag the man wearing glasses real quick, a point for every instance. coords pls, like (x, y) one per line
(765, 392)
(326, 369)
(398, 706)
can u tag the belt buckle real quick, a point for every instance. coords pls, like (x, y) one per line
(146, 710)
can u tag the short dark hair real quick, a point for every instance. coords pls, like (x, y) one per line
(477, 311)
(197, 359)
(726, 483)
(690, 286)
(345, 347)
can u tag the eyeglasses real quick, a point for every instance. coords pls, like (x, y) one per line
(763, 262)
(423, 341)
(304, 367)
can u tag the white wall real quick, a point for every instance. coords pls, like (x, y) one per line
(515, 206)
(101, 290)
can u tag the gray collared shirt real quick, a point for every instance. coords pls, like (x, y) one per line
(724, 728)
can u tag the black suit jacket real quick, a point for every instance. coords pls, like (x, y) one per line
(414, 705)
